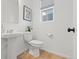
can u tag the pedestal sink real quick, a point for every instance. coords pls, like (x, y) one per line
(12, 35)
(13, 44)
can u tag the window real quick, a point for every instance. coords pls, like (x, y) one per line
(47, 14)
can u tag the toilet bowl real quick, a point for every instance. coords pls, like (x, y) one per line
(35, 49)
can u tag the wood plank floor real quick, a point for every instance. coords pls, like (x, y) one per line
(43, 55)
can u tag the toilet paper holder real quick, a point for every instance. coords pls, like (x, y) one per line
(50, 35)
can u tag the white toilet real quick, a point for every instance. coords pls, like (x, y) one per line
(35, 45)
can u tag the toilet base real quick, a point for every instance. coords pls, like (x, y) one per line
(34, 52)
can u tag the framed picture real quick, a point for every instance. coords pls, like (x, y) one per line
(27, 13)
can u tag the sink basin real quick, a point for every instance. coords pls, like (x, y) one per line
(12, 35)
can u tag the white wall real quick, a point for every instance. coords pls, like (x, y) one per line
(61, 41)
(9, 11)
(12, 15)
(28, 3)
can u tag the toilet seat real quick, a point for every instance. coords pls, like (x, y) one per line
(36, 43)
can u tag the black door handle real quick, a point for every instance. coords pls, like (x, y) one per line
(71, 29)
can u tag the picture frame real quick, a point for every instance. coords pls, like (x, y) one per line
(27, 13)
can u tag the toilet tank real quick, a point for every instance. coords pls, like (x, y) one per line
(27, 36)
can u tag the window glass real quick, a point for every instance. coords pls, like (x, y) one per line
(47, 14)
